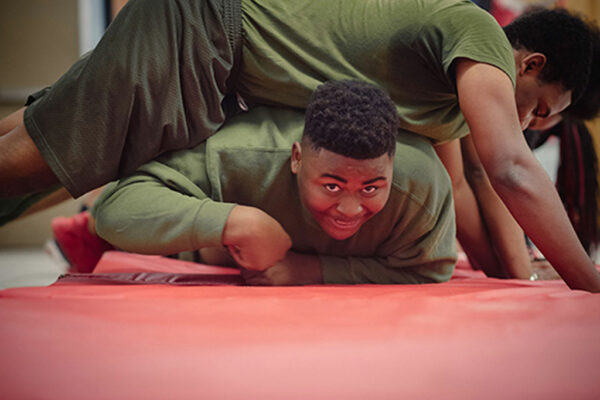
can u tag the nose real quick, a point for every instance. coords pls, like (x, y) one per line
(350, 206)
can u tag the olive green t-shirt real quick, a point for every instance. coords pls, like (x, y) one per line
(407, 47)
(165, 73)
(181, 201)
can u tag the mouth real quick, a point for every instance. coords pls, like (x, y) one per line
(346, 224)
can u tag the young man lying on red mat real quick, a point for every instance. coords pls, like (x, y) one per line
(337, 195)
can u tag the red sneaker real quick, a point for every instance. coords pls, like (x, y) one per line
(81, 248)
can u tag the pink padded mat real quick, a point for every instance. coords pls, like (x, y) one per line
(473, 337)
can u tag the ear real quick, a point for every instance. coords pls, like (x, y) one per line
(296, 158)
(532, 63)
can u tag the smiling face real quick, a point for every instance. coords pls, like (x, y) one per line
(341, 193)
(536, 99)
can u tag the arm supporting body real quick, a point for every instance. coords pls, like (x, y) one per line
(507, 236)
(147, 214)
(470, 228)
(488, 104)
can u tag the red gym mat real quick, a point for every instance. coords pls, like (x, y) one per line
(134, 331)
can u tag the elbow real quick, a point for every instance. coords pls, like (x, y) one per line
(104, 231)
(475, 173)
(107, 225)
(510, 176)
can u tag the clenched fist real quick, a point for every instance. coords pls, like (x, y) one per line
(255, 240)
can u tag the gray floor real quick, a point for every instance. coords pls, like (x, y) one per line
(23, 258)
(28, 266)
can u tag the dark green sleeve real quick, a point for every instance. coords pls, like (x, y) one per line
(160, 211)
(467, 31)
(420, 251)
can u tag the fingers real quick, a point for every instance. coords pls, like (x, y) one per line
(237, 256)
(255, 278)
(250, 258)
(544, 270)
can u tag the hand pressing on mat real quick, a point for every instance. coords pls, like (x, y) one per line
(294, 269)
(543, 270)
(255, 240)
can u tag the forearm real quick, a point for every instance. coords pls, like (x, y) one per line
(383, 270)
(471, 231)
(308, 269)
(294, 269)
(533, 201)
(473, 235)
(487, 100)
(141, 215)
(506, 235)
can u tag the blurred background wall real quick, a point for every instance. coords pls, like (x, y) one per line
(39, 41)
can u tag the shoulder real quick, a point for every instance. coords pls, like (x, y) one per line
(418, 172)
(467, 31)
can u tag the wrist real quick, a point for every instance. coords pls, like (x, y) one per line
(238, 225)
(307, 268)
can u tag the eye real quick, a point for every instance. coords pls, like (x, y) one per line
(369, 189)
(332, 187)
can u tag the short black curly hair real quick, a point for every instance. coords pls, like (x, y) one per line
(563, 37)
(351, 118)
